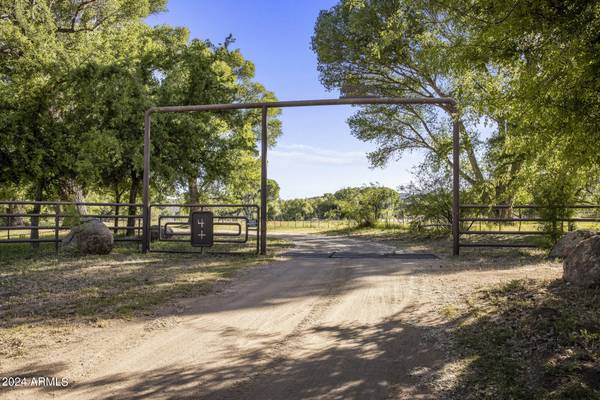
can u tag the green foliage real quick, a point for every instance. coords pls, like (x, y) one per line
(555, 187)
(75, 80)
(297, 209)
(529, 71)
(366, 206)
(212, 153)
(45, 46)
(545, 53)
(548, 54)
(429, 202)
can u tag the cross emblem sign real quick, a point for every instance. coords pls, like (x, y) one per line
(202, 228)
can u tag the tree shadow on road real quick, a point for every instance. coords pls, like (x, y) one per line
(361, 361)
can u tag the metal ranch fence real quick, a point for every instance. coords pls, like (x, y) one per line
(238, 226)
(521, 220)
(44, 221)
(48, 221)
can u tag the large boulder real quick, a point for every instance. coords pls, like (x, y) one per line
(165, 232)
(568, 242)
(582, 265)
(90, 237)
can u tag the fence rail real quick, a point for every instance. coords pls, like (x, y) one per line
(526, 213)
(48, 219)
(25, 221)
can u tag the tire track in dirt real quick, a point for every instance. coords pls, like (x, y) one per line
(277, 353)
(300, 328)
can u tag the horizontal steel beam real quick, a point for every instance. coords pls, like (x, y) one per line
(47, 215)
(532, 219)
(30, 240)
(305, 103)
(59, 240)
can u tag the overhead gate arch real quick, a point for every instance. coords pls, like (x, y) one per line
(264, 106)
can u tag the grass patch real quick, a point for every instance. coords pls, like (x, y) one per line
(42, 292)
(529, 339)
(449, 311)
(381, 231)
(308, 226)
(440, 243)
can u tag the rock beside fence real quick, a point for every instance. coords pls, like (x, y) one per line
(90, 237)
(568, 242)
(582, 266)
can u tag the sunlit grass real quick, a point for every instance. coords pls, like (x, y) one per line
(43, 291)
(529, 339)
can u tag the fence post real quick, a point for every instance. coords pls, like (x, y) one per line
(56, 226)
(263, 181)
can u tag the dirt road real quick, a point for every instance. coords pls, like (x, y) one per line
(309, 327)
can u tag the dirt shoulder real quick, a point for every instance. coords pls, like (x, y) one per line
(528, 338)
(511, 327)
(50, 299)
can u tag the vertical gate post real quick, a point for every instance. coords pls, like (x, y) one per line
(146, 184)
(263, 183)
(455, 185)
(56, 227)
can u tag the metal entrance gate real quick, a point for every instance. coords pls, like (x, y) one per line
(235, 228)
(448, 103)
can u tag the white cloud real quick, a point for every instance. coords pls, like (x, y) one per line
(315, 155)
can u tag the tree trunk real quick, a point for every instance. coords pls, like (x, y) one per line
(133, 193)
(502, 188)
(470, 151)
(194, 195)
(79, 197)
(500, 200)
(70, 190)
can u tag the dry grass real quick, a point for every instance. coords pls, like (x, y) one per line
(528, 339)
(309, 226)
(49, 294)
(517, 339)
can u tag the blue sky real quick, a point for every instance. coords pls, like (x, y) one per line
(316, 153)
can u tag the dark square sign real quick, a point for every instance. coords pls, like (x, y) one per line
(202, 229)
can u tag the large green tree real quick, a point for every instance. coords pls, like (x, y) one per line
(528, 68)
(547, 53)
(211, 153)
(397, 48)
(43, 44)
(75, 80)
(111, 95)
